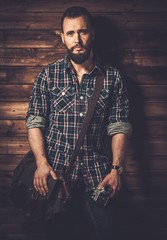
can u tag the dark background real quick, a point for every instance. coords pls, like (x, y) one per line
(132, 36)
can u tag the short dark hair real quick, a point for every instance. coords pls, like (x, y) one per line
(74, 12)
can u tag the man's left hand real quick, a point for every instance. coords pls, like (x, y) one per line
(113, 179)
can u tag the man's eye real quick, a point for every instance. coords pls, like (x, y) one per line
(83, 32)
(69, 33)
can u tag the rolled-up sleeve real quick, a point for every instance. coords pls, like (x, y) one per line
(119, 109)
(35, 122)
(119, 127)
(38, 104)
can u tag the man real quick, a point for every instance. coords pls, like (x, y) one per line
(57, 107)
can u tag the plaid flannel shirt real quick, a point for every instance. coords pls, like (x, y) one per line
(58, 105)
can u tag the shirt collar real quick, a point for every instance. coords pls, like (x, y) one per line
(96, 70)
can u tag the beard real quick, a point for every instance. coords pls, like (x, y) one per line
(79, 58)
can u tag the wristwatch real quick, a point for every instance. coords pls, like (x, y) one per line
(118, 168)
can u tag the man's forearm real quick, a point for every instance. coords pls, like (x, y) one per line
(119, 145)
(37, 144)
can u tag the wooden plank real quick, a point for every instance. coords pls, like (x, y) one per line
(12, 128)
(48, 39)
(10, 159)
(155, 110)
(9, 162)
(150, 146)
(39, 21)
(156, 92)
(14, 145)
(30, 57)
(15, 93)
(143, 58)
(13, 110)
(156, 128)
(18, 75)
(42, 57)
(141, 182)
(93, 6)
(30, 21)
(144, 164)
(1, 39)
(145, 75)
(31, 39)
(142, 39)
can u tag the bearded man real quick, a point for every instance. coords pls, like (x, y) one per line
(57, 107)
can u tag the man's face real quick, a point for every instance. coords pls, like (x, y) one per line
(77, 36)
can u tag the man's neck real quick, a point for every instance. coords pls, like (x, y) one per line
(83, 68)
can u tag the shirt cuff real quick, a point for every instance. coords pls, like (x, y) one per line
(119, 127)
(35, 122)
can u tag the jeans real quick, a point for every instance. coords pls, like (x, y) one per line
(84, 220)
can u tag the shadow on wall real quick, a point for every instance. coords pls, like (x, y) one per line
(132, 223)
(106, 43)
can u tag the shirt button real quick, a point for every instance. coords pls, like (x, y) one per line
(63, 93)
(81, 114)
(81, 97)
(81, 164)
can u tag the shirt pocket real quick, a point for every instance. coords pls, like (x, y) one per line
(63, 99)
(102, 101)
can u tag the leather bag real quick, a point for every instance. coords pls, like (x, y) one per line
(25, 196)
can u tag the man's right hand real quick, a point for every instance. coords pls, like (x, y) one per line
(40, 177)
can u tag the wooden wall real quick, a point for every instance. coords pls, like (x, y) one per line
(133, 37)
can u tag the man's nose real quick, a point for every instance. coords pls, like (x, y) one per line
(77, 38)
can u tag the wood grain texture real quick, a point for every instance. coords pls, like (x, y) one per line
(42, 57)
(93, 6)
(132, 37)
(37, 20)
(48, 39)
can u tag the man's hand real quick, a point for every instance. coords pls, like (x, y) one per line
(40, 177)
(113, 179)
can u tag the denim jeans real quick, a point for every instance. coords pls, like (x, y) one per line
(85, 220)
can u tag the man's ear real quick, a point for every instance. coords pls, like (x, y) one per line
(62, 37)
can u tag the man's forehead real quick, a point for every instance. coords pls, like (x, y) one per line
(80, 21)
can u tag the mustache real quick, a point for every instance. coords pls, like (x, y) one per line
(78, 45)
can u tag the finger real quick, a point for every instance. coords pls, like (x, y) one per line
(41, 187)
(53, 174)
(102, 184)
(45, 185)
(35, 184)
